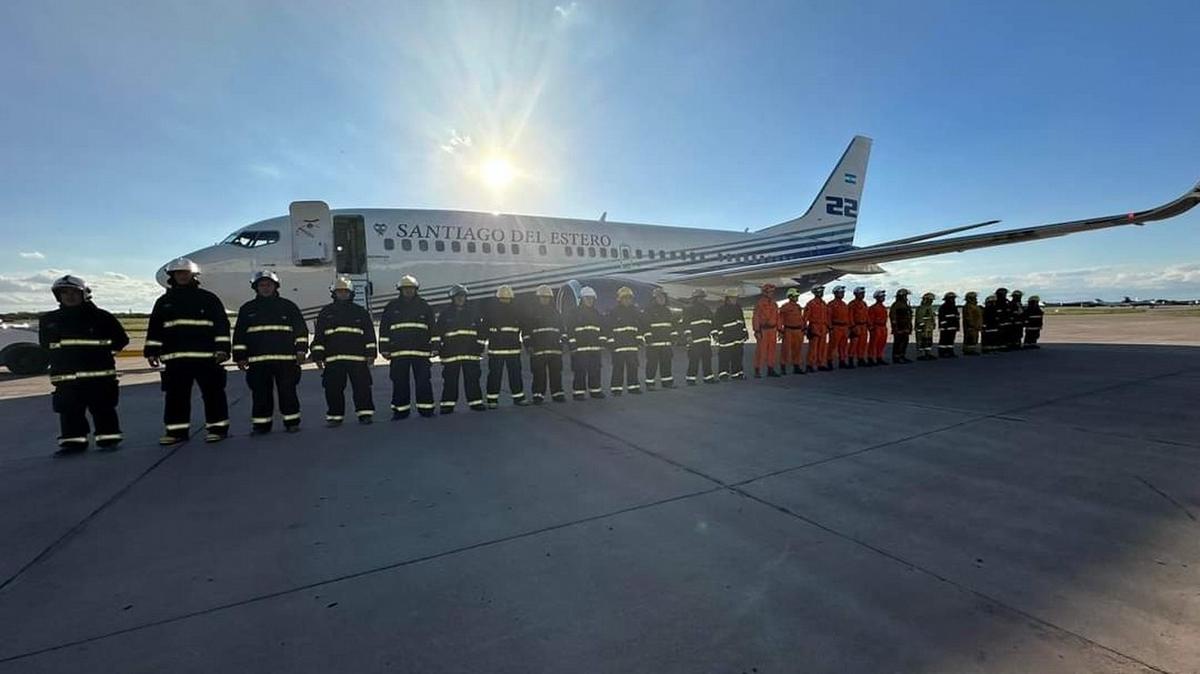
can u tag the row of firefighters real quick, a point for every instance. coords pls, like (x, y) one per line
(188, 337)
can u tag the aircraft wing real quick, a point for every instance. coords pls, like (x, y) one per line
(857, 260)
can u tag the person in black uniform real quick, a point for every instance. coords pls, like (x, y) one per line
(81, 339)
(697, 333)
(1004, 320)
(458, 338)
(900, 315)
(406, 339)
(502, 325)
(544, 339)
(662, 330)
(1034, 318)
(948, 325)
(344, 348)
(188, 333)
(269, 343)
(1016, 309)
(625, 338)
(587, 344)
(730, 325)
(990, 339)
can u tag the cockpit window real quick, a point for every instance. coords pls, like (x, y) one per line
(253, 239)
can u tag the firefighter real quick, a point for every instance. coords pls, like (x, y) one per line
(697, 334)
(82, 339)
(188, 334)
(859, 329)
(766, 331)
(587, 342)
(948, 325)
(730, 328)
(458, 339)
(972, 316)
(791, 323)
(1017, 311)
(1034, 317)
(269, 343)
(661, 332)
(1004, 321)
(901, 317)
(343, 347)
(839, 328)
(924, 320)
(502, 326)
(877, 322)
(406, 340)
(625, 336)
(816, 328)
(544, 340)
(991, 325)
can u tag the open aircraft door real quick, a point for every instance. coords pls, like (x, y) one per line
(350, 255)
(312, 233)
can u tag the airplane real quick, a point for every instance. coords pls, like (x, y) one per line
(375, 247)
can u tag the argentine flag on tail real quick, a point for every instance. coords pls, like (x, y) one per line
(851, 179)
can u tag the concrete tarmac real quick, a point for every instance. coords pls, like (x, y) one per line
(1024, 512)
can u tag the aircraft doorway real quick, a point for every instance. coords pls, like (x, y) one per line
(350, 254)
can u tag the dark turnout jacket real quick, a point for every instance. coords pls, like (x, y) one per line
(344, 332)
(187, 322)
(269, 329)
(81, 341)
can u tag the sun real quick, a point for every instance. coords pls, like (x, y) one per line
(497, 173)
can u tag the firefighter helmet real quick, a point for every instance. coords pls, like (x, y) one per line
(733, 292)
(950, 295)
(699, 294)
(70, 282)
(456, 290)
(659, 292)
(587, 291)
(819, 290)
(341, 283)
(182, 264)
(879, 294)
(793, 292)
(902, 291)
(1035, 298)
(264, 274)
(971, 294)
(767, 288)
(505, 292)
(623, 292)
(989, 298)
(1017, 293)
(928, 296)
(408, 281)
(545, 291)
(839, 290)
(860, 290)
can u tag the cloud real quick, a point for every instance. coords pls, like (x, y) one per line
(456, 142)
(32, 255)
(117, 276)
(112, 290)
(565, 11)
(266, 170)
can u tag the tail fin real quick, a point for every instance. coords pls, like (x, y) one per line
(840, 198)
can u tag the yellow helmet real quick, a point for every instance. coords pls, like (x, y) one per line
(545, 291)
(793, 292)
(733, 292)
(928, 296)
(505, 292)
(623, 292)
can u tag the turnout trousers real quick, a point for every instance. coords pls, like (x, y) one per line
(700, 358)
(858, 343)
(792, 348)
(818, 345)
(585, 368)
(729, 361)
(177, 379)
(496, 367)
(547, 373)
(408, 372)
(624, 372)
(900, 347)
(267, 379)
(878, 342)
(946, 343)
(970, 341)
(766, 354)
(658, 362)
(469, 371)
(1032, 335)
(74, 400)
(839, 344)
(333, 379)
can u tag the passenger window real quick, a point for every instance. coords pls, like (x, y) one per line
(439, 246)
(613, 252)
(579, 251)
(542, 249)
(486, 247)
(423, 245)
(604, 252)
(516, 249)
(406, 244)
(674, 254)
(638, 253)
(662, 254)
(389, 244)
(569, 250)
(500, 248)
(455, 246)
(470, 246)
(650, 253)
(591, 251)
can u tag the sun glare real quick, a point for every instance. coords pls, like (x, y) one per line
(497, 173)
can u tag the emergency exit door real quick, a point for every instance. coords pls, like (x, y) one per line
(350, 255)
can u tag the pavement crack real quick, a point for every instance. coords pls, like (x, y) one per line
(1168, 497)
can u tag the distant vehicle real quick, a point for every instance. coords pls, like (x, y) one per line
(313, 244)
(20, 351)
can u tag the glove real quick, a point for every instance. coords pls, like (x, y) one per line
(243, 364)
(154, 362)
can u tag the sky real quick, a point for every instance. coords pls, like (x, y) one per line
(132, 132)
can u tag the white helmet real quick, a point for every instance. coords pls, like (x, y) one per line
(880, 294)
(839, 289)
(505, 292)
(341, 283)
(587, 291)
(262, 274)
(73, 282)
(860, 290)
(182, 264)
(545, 291)
(408, 281)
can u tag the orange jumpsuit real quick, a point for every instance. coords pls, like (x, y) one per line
(766, 332)
(877, 319)
(839, 334)
(816, 319)
(791, 320)
(858, 329)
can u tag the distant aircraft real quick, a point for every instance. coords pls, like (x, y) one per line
(313, 244)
